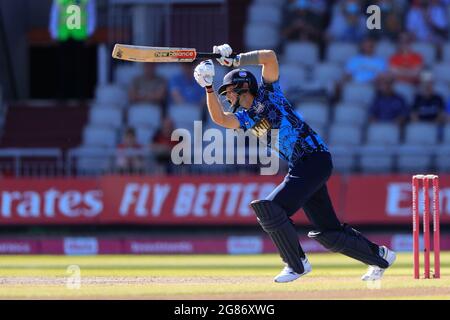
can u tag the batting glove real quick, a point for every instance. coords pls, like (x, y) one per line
(225, 51)
(204, 73)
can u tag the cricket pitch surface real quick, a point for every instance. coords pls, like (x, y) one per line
(205, 277)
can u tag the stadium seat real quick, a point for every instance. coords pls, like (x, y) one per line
(343, 140)
(443, 151)
(446, 134)
(427, 50)
(102, 116)
(416, 154)
(358, 93)
(349, 105)
(93, 165)
(446, 52)
(269, 2)
(377, 155)
(344, 135)
(147, 115)
(441, 72)
(264, 14)
(111, 96)
(261, 36)
(144, 135)
(328, 72)
(376, 159)
(443, 89)
(94, 136)
(383, 134)
(168, 70)
(385, 49)
(291, 76)
(305, 53)
(348, 115)
(315, 114)
(421, 134)
(443, 157)
(184, 115)
(414, 158)
(92, 160)
(125, 73)
(340, 52)
(406, 90)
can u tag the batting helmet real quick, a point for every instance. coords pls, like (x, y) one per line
(238, 77)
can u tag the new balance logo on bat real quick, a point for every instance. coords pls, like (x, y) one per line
(176, 54)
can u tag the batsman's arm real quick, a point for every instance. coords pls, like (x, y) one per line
(266, 58)
(221, 118)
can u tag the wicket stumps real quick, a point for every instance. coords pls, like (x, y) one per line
(425, 179)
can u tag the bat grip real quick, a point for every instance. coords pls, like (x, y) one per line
(210, 55)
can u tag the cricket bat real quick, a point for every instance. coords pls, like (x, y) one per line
(160, 54)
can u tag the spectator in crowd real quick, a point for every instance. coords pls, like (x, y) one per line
(427, 20)
(387, 105)
(162, 144)
(406, 65)
(184, 89)
(305, 20)
(428, 105)
(391, 20)
(348, 22)
(148, 87)
(127, 161)
(365, 66)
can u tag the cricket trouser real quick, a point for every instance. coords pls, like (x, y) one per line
(305, 187)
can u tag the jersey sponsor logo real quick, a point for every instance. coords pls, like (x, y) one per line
(259, 107)
(261, 128)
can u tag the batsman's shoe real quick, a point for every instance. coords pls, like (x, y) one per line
(376, 273)
(288, 275)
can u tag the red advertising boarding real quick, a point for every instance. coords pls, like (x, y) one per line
(198, 200)
(190, 200)
(50, 201)
(388, 199)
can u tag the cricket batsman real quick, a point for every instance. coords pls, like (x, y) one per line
(264, 107)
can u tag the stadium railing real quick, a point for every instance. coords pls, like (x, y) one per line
(34, 162)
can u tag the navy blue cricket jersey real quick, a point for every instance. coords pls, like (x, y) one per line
(271, 110)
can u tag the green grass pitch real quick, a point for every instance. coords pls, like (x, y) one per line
(208, 277)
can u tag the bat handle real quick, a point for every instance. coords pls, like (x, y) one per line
(210, 55)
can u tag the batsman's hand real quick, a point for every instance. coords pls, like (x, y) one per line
(225, 51)
(204, 73)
